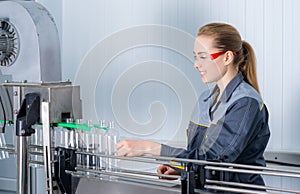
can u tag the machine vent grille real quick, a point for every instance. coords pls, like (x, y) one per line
(9, 43)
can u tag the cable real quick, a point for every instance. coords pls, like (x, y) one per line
(9, 99)
(4, 115)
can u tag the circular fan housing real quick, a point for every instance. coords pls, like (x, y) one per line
(9, 43)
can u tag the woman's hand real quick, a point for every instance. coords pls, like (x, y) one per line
(168, 171)
(132, 148)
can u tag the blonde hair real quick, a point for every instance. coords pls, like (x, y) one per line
(226, 37)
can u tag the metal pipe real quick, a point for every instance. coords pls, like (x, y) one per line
(252, 172)
(36, 84)
(21, 148)
(36, 153)
(22, 160)
(220, 188)
(36, 146)
(9, 150)
(10, 146)
(136, 159)
(149, 174)
(12, 151)
(204, 162)
(262, 170)
(130, 176)
(251, 186)
(36, 162)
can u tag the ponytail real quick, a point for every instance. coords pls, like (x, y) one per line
(248, 65)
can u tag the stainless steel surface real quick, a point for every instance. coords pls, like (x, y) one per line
(8, 185)
(95, 185)
(291, 174)
(283, 157)
(22, 165)
(64, 97)
(249, 186)
(235, 190)
(47, 146)
(130, 175)
(38, 57)
(22, 158)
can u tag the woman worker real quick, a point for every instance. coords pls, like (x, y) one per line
(230, 121)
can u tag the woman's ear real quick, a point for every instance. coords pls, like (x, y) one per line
(228, 57)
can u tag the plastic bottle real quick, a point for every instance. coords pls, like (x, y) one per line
(103, 161)
(102, 145)
(112, 139)
(91, 145)
(69, 135)
(79, 142)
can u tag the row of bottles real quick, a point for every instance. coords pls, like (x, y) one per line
(3, 154)
(98, 138)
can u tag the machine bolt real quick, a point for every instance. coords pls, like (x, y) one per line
(22, 131)
(15, 93)
(213, 172)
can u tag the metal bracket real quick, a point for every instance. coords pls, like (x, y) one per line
(28, 115)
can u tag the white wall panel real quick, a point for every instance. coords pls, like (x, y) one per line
(291, 81)
(219, 10)
(273, 43)
(237, 14)
(254, 34)
(202, 13)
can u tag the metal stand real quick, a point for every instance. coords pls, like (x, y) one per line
(22, 158)
(26, 117)
(47, 147)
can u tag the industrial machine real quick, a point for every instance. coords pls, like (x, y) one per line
(45, 116)
(30, 54)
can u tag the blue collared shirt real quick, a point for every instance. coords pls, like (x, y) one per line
(234, 129)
